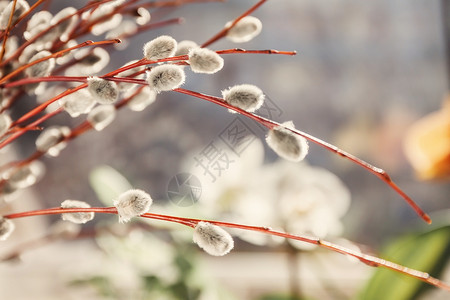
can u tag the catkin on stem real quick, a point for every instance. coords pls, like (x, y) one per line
(101, 116)
(159, 48)
(103, 91)
(203, 60)
(6, 228)
(213, 239)
(165, 77)
(244, 30)
(132, 203)
(77, 218)
(287, 144)
(245, 96)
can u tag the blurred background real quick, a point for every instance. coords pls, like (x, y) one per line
(364, 74)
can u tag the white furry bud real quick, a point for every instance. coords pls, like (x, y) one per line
(139, 102)
(106, 25)
(42, 69)
(244, 30)
(287, 144)
(213, 239)
(6, 228)
(203, 60)
(165, 77)
(104, 91)
(184, 47)
(38, 22)
(50, 140)
(65, 27)
(101, 116)
(245, 96)
(90, 61)
(21, 7)
(80, 102)
(132, 203)
(26, 175)
(79, 217)
(143, 16)
(5, 122)
(159, 48)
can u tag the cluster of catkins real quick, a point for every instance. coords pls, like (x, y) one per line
(163, 63)
(132, 203)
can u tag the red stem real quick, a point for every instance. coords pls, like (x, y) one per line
(8, 29)
(44, 32)
(55, 55)
(367, 259)
(380, 173)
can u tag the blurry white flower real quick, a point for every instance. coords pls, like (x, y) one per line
(293, 197)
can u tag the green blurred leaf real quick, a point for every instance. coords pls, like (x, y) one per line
(281, 297)
(108, 183)
(427, 252)
(102, 284)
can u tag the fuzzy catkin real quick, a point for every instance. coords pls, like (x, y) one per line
(206, 61)
(244, 30)
(245, 96)
(287, 144)
(103, 91)
(80, 102)
(165, 77)
(79, 217)
(101, 116)
(21, 7)
(139, 102)
(183, 47)
(132, 203)
(42, 69)
(159, 48)
(213, 239)
(50, 140)
(5, 122)
(6, 228)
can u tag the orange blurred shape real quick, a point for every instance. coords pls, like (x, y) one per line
(427, 144)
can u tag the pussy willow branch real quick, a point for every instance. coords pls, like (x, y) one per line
(269, 124)
(19, 50)
(380, 173)
(55, 55)
(365, 258)
(225, 30)
(109, 76)
(8, 29)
